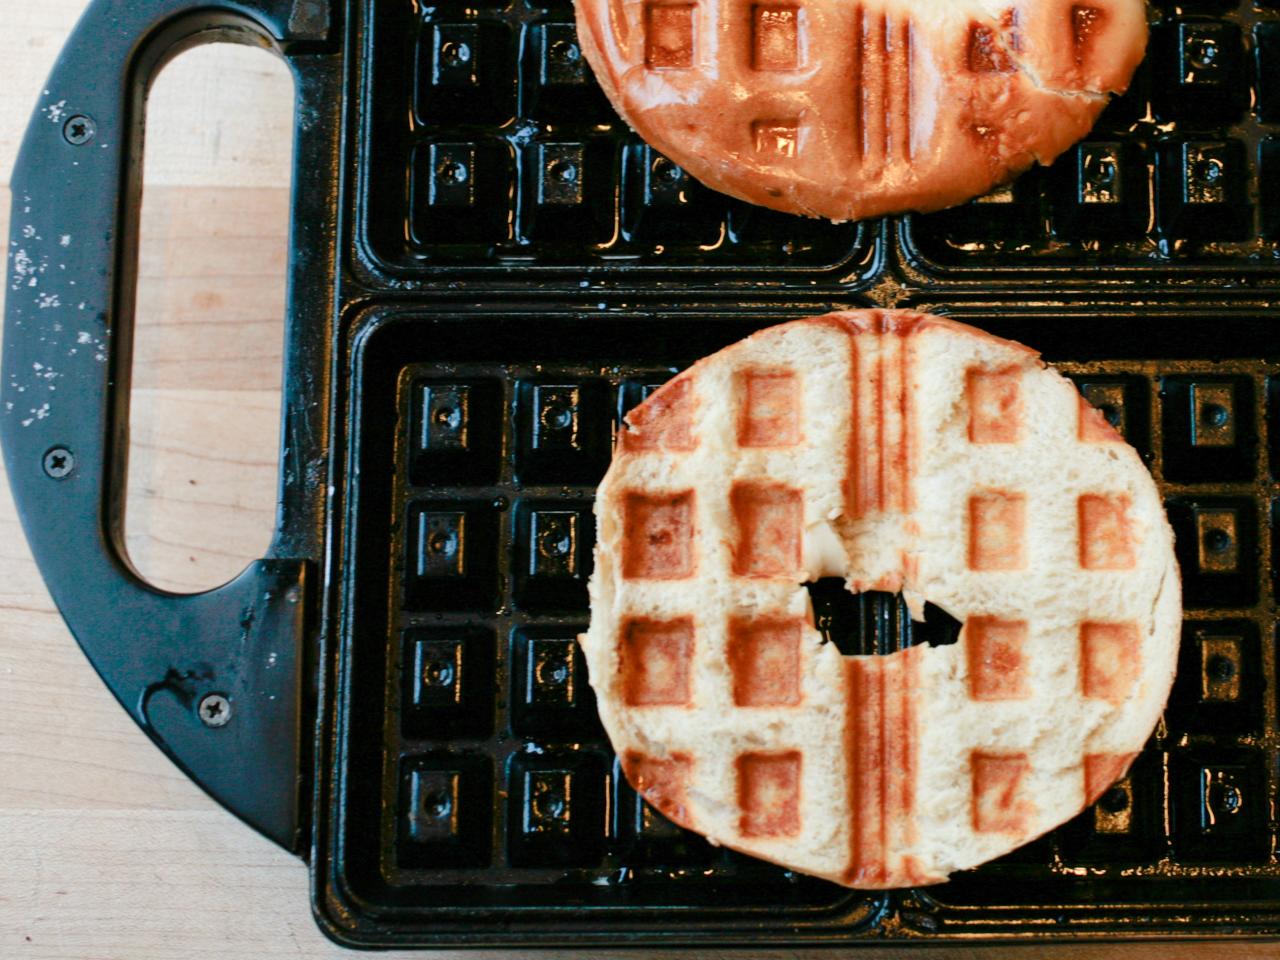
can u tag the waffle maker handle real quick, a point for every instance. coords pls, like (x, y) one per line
(215, 679)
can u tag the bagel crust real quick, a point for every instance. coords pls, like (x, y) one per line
(901, 452)
(853, 110)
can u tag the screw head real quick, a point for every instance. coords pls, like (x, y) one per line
(566, 171)
(554, 542)
(565, 51)
(438, 805)
(1114, 800)
(664, 169)
(58, 463)
(455, 53)
(1215, 414)
(451, 171)
(1217, 540)
(1221, 668)
(214, 710)
(79, 130)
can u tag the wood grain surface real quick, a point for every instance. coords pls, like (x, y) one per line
(106, 850)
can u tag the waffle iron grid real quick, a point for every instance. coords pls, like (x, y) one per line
(477, 800)
(512, 157)
(488, 783)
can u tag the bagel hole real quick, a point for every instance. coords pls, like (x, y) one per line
(875, 623)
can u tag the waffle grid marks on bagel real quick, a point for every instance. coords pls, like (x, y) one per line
(900, 452)
(853, 110)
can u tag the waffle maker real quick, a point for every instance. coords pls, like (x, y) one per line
(488, 269)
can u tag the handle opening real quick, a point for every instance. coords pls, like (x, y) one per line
(204, 432)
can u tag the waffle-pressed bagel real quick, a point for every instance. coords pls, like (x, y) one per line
(848, 110)
(902, 452)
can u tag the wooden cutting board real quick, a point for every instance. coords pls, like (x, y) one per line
(106, 850)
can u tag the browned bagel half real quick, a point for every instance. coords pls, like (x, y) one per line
(852, 110)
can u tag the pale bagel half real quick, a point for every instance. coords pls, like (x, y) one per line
(852, 110)
(902, 452)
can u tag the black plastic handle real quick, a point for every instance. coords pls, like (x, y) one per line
(216, 679)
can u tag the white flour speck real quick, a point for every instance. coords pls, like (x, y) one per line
(56, 111)
(28, 231)
(83, 336)
(37, 366)
(65, 240)
(47, 301)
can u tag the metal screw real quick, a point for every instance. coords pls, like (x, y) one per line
(666, 170)
(565, 51)
(79, 130)
(438, 673)
(438, 805)
(1115, 800)
(451, 171)
(455, 53)
(1221, 668)
(444, 542)
(566, 171)
(1203, 54)
(59, 462)
(554, 542)
(215, 710)
(1215, 414)
(1217, 540)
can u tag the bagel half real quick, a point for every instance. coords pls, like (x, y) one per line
(853, 110)
(902, 452)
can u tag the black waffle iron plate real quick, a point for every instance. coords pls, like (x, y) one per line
(488, 270)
